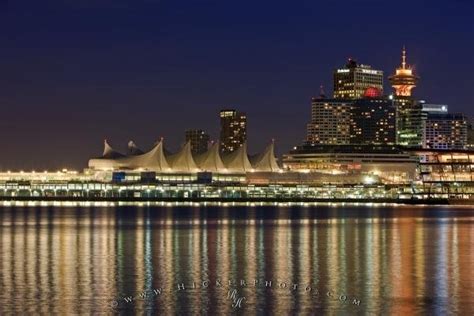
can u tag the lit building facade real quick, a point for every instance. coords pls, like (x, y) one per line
(352, 81)
(374, 121)
(410, 115)
(369, 120)
(446, 131)
(198, 139)
(331, 122)
(446, 173)
(387, 163)
(233, 133)
(411, 122)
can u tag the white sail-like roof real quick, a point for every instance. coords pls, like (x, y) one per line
(108, 159)
(238, 161)
(109, 152)
(153, 160)
(266, 161)
(133, 149)
(183, 161)
(210, 160)
(159, 160)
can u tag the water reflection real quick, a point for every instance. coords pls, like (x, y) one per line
(66, 260)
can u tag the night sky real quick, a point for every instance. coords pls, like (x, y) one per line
(73, 74)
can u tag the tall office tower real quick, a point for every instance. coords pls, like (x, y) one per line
(410, 116)
(374, 120)
(445, 130)
(411, 121)
(233, 130)
(199, 140)
(331, 122)
(352, 81)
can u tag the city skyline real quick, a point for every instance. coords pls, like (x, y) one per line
(143, 79)
(237, 157)
(215, 135)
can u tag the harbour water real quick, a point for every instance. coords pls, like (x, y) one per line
(270, 259)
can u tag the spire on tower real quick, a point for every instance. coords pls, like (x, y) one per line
(404, 58)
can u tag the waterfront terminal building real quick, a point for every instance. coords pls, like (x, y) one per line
(307, 173)
(360, 147)
(389, 164)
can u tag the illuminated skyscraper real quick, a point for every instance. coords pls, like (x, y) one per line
(199, 140)
(411, 121)
(233, 130)
(331, 122)
(366, 121)
(352, 81)
(444, 130)
(410, 116)
(374, 121)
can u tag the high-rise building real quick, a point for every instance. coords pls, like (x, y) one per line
(352, 81)
(331, 122)
(233, 130)
(410, 115)
(446, 131)
(411, 121)
(199, 140)
(374, 121)
(370, 120)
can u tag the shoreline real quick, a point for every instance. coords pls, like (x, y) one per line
(237, 200)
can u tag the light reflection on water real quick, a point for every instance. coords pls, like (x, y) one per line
(83, 259)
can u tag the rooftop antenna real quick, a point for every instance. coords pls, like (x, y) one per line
(322, 94)
(404, 57)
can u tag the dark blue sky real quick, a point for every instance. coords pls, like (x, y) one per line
(73, 74)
